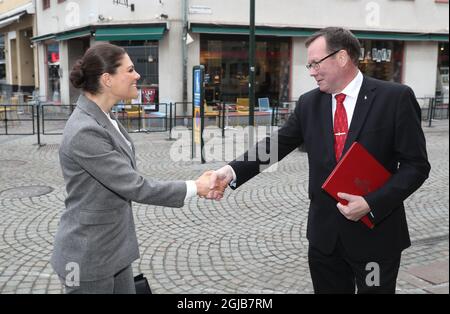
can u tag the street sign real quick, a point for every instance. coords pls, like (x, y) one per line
(121, 2)
(198, 98)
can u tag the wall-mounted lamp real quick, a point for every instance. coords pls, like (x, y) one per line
(102, 18)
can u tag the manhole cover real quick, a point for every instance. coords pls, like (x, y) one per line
(8, 164)
(26, 191)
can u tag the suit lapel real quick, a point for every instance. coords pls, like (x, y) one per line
(93, 110)
(327, 125)
(127, 136)
(363, 104)
(123, 145)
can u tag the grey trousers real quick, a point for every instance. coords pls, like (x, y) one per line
(120, 283)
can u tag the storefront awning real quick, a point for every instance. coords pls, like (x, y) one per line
(76, 33)
(148, 32)
(42, 37)
(402, 36)
(304, 32)
(109, 33)
(244, 30)
(7, 21)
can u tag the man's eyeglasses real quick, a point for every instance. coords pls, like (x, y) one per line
(316, 65)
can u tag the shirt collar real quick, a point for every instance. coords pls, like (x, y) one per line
(107, 114)
(352, 89)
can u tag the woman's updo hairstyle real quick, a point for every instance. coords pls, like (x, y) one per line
(99, 59)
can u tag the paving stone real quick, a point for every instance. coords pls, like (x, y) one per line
(253, 241)
(434, 272)
(440, 289)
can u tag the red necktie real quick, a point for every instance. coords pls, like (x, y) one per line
(340, 126)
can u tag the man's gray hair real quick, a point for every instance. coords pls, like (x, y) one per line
(338, 38)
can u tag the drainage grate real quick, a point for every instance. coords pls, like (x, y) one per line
(49, 147)
(26, 191)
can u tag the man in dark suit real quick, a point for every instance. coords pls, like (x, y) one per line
(346, 107)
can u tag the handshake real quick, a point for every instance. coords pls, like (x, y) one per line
(212, 184)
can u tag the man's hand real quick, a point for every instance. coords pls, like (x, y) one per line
(356, 208)
(203, 183)
(219, 181)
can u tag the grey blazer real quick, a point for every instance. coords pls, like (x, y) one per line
(96, 229)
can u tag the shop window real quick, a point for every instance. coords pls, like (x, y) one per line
(45, 4)
(442, 80)
(2, 60)
(227, 69)
(53, 73)
(144, 55)
(382, 59)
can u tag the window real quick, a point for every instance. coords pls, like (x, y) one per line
(442, 83)
(45, 4)
(227, 70)
(443, 54)
(53, 72)
(144, 55)
(2, 60)
(382, 59)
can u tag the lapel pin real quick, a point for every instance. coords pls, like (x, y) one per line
(365, 97)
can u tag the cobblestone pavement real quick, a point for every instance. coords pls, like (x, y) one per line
(253, 241)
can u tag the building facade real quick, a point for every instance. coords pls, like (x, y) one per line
(405, 41)
(17, 59)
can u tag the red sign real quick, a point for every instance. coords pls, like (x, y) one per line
(148, 95)
(54, 57)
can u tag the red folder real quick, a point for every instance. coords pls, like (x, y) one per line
(357, 173)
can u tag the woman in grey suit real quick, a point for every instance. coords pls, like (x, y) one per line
(96, 240)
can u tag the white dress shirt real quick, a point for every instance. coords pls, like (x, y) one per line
(114, 123)
(351, 92)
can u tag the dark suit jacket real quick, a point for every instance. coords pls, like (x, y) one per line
(387, 122)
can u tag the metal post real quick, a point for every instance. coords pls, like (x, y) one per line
(192, 138)
(170, 122)
(223, 119)
(175, 115)
(185, 6)
(6, 121)
(277, 112)
(38, 123)
(431, 110)
(166, 118)
(42, 118)
(139, 118)
(272, 123)
(32, 118)
(251, 117)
